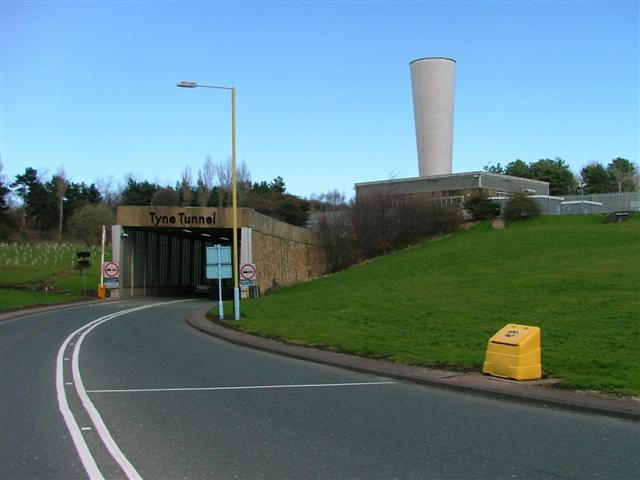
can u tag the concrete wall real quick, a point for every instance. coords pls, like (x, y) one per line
(281, 261)
(284, 254)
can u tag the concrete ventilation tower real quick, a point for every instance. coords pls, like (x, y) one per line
(433, 84)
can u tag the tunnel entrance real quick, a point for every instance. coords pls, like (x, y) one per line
(161, 251)
(169, 261)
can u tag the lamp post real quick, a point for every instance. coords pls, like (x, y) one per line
(234, 198)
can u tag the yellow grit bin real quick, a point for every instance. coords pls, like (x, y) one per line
(514, 352)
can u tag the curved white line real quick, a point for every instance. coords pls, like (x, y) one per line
(86, 458)
(81, 446)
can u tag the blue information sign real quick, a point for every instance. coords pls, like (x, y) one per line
(219, 262)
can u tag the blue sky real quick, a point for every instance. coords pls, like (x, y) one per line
(324, 90)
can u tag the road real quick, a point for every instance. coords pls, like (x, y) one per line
(143, 395)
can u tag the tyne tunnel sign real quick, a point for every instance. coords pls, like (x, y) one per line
(177, 217)
(181, 219)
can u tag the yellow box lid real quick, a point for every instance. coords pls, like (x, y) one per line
(513, 334)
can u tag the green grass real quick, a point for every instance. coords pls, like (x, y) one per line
(12, 299)
(43, 274)
(576, 277)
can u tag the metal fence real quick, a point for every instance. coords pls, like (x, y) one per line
(588, 203)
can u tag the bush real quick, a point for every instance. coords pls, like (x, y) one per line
(482, 208)
(383, 223)
(520, 207)
(86, 223)
(338, 239)
(379, 224)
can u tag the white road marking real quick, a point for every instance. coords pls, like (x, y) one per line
(249, 387)
(86, 457)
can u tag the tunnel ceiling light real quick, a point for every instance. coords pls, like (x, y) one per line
(205, 234)
(185, 230)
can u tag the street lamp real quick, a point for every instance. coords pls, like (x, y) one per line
(234, 199)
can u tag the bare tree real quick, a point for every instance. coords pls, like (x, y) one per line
(243, 179)
(61, 187)
(224, 171)
(202, 195)
(185, 186)
(109, 192)
(206, 177)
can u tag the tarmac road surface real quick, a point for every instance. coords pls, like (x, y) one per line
(129, 390)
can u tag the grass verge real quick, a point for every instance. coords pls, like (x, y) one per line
(43, 274)
(576, 277)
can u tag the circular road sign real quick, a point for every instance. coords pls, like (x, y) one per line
(248, 271)
(111, 269)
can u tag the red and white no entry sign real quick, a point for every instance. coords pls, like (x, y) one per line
(247, 271)
(111, 269)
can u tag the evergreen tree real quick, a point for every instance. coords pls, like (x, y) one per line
(596, 179)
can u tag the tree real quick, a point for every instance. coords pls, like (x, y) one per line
(87, 221)
(557, 173)
(293, 210)
(4, 191)
(138, 193)
(107, 191)
(623, 175)
(271, 199)
(206, 177)
(184, 188)
(329, 201)
(497, 168)
(37, 202)
(165, 197)
(5, 219)
(596, 178)
(61, 186)
(518, 168)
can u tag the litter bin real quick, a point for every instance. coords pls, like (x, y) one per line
(514, 352)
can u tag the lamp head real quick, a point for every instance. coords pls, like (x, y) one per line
(184, 84)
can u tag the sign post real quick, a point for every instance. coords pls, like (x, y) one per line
(111, 271)
(248, 271)
(102, 292)
(219, 267)
(83, 264)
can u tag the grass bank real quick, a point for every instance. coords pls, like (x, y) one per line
(576, 277)
(43, 274)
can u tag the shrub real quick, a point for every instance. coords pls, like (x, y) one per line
(383, 223)
(482, 208)
(520, 207)
(86, 223)
(339, 240)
